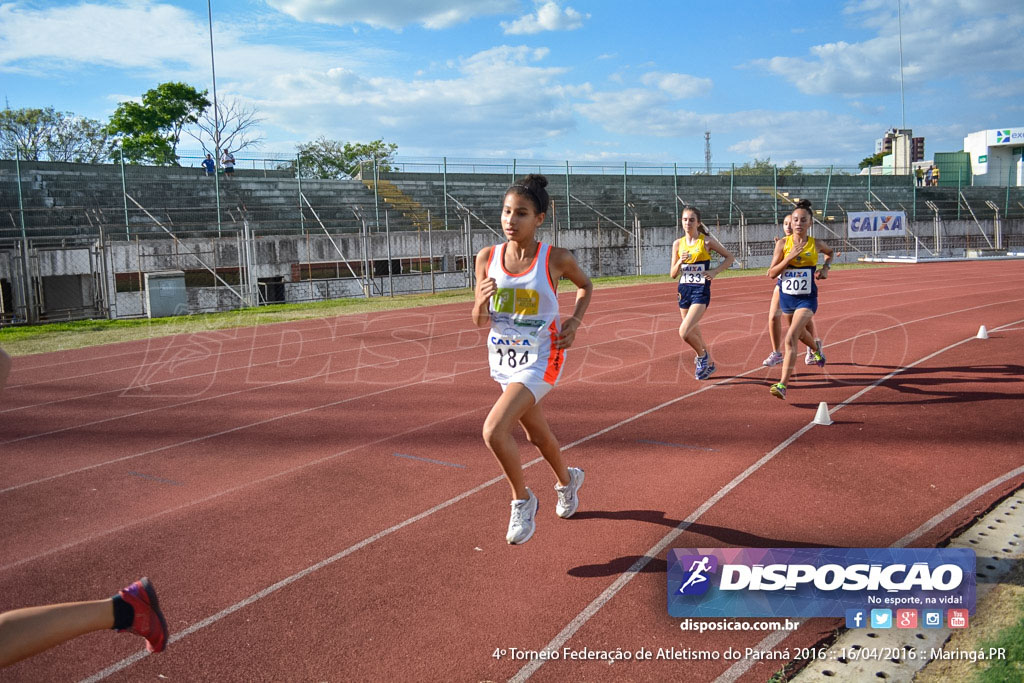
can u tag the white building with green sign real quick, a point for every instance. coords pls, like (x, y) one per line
(997, 156)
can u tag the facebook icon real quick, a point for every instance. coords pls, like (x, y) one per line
(856, 618)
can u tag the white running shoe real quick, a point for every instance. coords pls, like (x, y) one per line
(521, 525)
(568, 500)
(810, 358)
(774, 358)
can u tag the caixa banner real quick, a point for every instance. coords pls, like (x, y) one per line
(876, 224)
(817, 582)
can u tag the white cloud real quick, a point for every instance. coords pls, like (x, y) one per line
(679, 86)
(783, 136)
(799, 136)
(499, 98)
(548, 17)
(941, 39)
(640, 111)
(392, 14)
(63, 37)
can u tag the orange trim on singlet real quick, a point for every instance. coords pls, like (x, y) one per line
(547, 269)
(555, 358)
(525, 272)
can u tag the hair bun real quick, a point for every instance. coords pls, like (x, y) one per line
(803, 204)
(535, 180)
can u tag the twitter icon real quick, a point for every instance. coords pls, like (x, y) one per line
(881, 618)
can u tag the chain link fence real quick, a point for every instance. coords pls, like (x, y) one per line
(77, 240)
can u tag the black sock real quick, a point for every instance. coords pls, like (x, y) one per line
(124, 614)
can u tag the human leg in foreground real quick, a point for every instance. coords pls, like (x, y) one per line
(31, 630)
(797, 332)
(517, 404)
(775, 334)
(689, 332)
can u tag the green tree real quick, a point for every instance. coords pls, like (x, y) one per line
(873, 160)
(51, 135)
(765, 167)
(325, 158)
(149, 131)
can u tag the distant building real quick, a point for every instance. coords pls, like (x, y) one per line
(887, 143)
(997, 156)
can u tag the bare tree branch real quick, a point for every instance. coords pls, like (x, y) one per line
(238, 124)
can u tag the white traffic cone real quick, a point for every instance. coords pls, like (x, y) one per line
(822, 416)
(982, 332)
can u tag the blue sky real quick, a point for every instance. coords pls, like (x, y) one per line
(806, 80)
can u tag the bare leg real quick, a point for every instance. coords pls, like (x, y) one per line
(775, 321)
(28, 631)
(797, 329)
(539, 433)
(509, 409)
(689, 329)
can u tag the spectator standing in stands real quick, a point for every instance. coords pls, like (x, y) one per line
(935, 177)
(227, 160)
(919, 173)
(928, 176)
(209, 165)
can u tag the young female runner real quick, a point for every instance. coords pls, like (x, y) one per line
(516, 294)
(794, 264)
(775, 321)
(691, 263)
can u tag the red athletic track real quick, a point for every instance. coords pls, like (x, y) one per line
(252, 474)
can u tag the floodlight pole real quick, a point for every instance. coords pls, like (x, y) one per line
(903, 106)
(216, 118)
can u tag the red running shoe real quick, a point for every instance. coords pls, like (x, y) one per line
(149, 620)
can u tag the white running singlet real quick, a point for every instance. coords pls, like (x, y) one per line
(524, 324)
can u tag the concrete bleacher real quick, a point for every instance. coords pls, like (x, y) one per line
(68, 201)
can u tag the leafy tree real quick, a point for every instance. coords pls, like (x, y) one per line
(53, 135)
(150, 130)
(325, 158)
(765, 167)
(874, 160)
(236, 124)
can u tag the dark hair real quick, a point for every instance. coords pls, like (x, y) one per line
(532, 187)
(700, 222)
(804, 204)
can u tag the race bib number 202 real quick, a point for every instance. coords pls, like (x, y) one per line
(796, 282)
